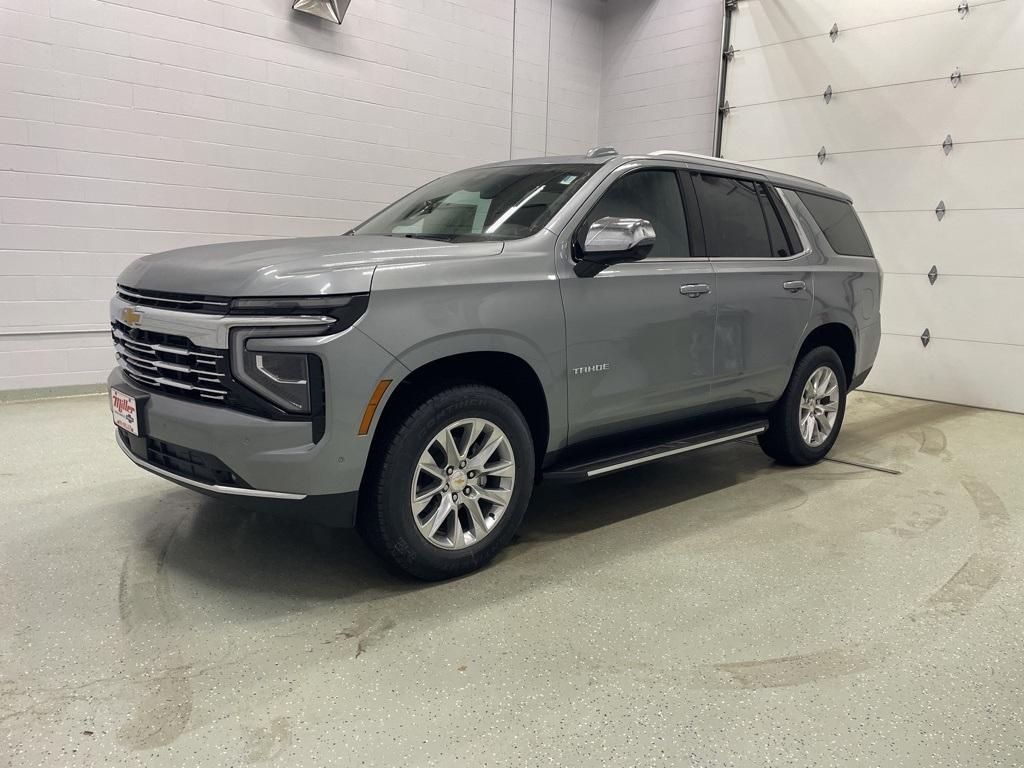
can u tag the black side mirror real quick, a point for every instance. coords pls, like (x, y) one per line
(614, 240)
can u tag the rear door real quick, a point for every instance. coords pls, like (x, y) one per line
(765, 288)
(640, 335)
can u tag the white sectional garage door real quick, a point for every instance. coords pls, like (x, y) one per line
(893, 102)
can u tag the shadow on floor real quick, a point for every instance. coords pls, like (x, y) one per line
(217, 543)
(232, 548)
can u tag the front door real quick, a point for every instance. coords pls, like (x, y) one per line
(765, 287)
(639, 336)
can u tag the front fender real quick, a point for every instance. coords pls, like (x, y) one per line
(425, 313)
(494, 340)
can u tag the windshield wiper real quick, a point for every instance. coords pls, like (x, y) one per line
(442, 237)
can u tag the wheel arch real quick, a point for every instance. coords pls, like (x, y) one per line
(840, 337)
(506, 372)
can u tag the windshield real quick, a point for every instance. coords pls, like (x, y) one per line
(498, 203)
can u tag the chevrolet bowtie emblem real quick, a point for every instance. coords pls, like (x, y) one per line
(130, 317)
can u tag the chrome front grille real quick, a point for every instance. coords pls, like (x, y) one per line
(182, 302)
(171, 363)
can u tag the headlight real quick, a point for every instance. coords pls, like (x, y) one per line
(281, 377)
(292, 381)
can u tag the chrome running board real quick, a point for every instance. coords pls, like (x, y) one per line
(606, 464)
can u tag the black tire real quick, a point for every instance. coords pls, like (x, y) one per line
(385, 518)
(783, 440)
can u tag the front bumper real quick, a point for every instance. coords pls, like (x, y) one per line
(278, 464)
(136, 449)
(258, 457)
(280, 454)
(337, 510)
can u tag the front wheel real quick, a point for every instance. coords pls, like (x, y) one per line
(451, 484)
(806, 421)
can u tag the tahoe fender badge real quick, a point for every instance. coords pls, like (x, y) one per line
(597, 367)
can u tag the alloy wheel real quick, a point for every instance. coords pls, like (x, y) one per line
(819, 406)
(463, 483)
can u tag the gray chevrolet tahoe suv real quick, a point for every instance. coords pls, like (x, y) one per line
(564, 317)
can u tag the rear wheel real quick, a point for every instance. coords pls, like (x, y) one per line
(806, 421)
(451, 484)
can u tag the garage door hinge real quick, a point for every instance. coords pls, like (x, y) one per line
(724, 109)
(955, 76)
(947, 144)
(926, 337)
(331, 10)
(963, 9)
(834, 32)
(828, 94)
(940, 210)
(933, 274)
(729, 53)
(822, 154)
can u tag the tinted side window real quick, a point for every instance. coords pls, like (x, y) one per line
(734, 225)
(840, 224)
(652, 195)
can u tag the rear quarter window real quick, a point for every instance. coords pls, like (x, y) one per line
(839, 222)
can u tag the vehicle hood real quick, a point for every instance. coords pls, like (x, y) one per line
(290, 267)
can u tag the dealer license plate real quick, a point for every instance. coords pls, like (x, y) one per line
(125, 411)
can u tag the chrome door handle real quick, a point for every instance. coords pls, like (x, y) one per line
(693, 290)
(794, 285)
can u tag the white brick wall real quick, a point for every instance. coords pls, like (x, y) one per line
(574, 91)
(530, 79)
(557, 81)
(129, 127)
(661, 74)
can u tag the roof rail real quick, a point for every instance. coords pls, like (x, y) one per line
(659, 152)
(662, 152)
(602, 152)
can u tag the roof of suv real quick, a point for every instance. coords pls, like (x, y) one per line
(603, 155)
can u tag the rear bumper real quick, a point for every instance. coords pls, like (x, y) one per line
(868, 340)
(859, 379)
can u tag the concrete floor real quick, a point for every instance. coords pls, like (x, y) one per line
(714, 610)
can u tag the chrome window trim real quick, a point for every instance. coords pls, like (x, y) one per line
(679, 260)
(209, 331)
(251, 492)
